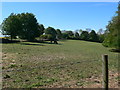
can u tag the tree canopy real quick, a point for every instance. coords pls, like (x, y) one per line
(24, 25)
(70, 34)
(30, 27)
(77, 35)
(93, 36)
(41, 28)
(113, 32)
(52, 32)
(59, 34)
(11, 26)
(84, 35)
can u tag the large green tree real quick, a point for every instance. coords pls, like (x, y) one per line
(113, 32)
(11, 26)
(93, 36)
(30, 27)
(24, 25)
(51, 31)
(84, 35)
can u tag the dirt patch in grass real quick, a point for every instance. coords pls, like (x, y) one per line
(91, 82)
(71, 65)
(96, 82)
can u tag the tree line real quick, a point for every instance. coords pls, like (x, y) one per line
(25, 26)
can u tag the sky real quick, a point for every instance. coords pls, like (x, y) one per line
(60, 0)
(65, 15)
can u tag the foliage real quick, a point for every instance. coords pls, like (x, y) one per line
(65, 36)
(30, 28)
(101, 37)
(93, 36)
(113, 32)
(11, 26)
(23, 25)
(59, 34)
(110, 35)
(77, 35)
(51, 31)
(46, 37)
(41, 28)
(84, 35)
(70, 34)
(43, 37)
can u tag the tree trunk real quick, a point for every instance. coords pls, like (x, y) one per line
(55, 42)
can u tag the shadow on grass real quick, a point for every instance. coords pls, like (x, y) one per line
(64, 40)
(46, 42)
(51, 43)
(5, 41)
(115, 50)
(31, 44)
(36, 43)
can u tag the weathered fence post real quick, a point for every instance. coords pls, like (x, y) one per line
(105, 71)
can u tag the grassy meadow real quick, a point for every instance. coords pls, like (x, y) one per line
(71, 63)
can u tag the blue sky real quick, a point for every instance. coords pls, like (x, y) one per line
(60, 0)
(65, 15)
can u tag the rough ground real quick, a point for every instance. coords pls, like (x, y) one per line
(41, 65)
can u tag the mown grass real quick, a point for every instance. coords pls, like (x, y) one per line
(65, 64)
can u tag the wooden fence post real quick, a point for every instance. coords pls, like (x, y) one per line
(105, 71)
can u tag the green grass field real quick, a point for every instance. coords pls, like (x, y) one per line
(67, 64)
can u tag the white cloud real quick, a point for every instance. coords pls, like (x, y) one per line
(60, 0)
